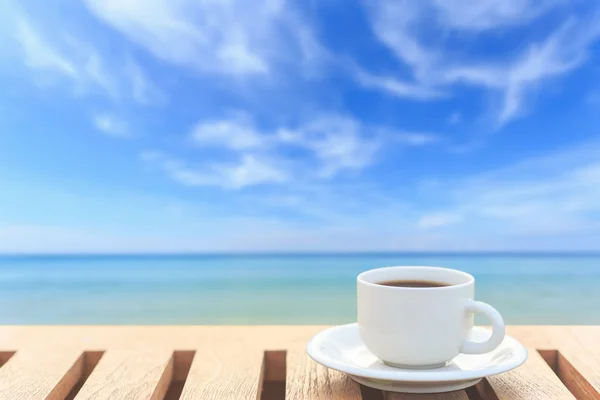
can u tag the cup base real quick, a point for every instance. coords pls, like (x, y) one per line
(404, 366)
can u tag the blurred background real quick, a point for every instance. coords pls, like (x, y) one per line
(240, 162)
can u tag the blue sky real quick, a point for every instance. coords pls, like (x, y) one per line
(233, 125)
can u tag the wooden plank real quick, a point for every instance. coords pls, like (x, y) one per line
(130, 374)
(268, 337)
(41, 373)
(534, 380)
(225, 371)
(307, 380)
(579, 369)
(458, 395)
(50, 373)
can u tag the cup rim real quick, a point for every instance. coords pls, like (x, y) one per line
(470, 279)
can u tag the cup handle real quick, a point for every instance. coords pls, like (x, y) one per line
(498, 329)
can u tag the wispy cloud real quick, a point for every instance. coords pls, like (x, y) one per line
(490, 14)
(67, 59)
(234, 37)
(564, 50)
(111, 125)
(238, 133)
(39, 55)
(550, 203)
(250, 171)
(397, 87)
(400, 27)
(326, 146)
(247, 171)
(58, 55)
(415, 138)
(95, 71)
(143, 90)
(337, 142)
(553, 195)
(395, 24)
(438, 220)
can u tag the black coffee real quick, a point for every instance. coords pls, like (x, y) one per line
(413, 283)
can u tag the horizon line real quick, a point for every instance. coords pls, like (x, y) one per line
(310, 253)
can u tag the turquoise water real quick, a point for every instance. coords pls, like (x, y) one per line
(274, 289)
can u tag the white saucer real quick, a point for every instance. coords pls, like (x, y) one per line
(341, 348)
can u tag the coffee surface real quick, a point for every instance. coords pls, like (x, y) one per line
(413, 283)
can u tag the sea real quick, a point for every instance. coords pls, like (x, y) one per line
(530, 289)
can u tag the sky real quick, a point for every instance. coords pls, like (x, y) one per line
(273, 125)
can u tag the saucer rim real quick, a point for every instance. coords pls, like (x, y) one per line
(431, 375)
(408, 387)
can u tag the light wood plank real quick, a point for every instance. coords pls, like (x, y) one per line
(578, 360)
(135, 374)
(459, 395)
(307, 380)
(268, 337)
(534, 380)
(41, 373)
(229, 371)
(579, 369)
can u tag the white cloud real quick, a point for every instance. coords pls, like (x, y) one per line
(488, 14)
(396, 87)
(237, 134)
(396, 24)
(232, 37)
(555, 195)
(178, 170)
(477, 74)
(400, 27)
(314, 54)
(337, 142)
(251, 171)
(96, 72)
(333, 143)
(143, 90)
(111, 125)
(546, 204)
(325, 146)
(415, 138)
(248, 171)
(67, 59)
(438, 220)
(563, 51)
(56, 54)
(40, 55)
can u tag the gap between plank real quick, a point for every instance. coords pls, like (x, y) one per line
(5, 356)
(273, 375)
(182, 363)
(90, 360)
(473, 393)
(580, 387)
(368, 393)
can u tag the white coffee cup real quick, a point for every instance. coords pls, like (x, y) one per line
(414, 327)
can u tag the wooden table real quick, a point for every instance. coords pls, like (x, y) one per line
(254, 362)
